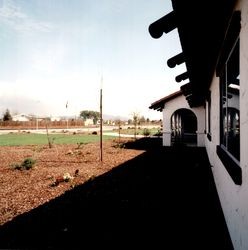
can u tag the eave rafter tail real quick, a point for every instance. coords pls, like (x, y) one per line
(176, 60)
(182, 77)
(186, 89)
(165, 24)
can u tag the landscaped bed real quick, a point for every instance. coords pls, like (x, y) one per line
(51, 172)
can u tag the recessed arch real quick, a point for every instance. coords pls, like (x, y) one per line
(183, 127)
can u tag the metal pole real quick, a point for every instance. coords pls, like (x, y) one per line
(101, 124)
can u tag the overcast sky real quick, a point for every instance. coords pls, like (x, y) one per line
(55, 51)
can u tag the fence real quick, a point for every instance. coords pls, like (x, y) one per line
(35, 124)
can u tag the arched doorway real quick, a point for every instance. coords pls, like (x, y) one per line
(183, 127)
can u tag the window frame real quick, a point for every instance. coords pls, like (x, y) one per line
(231, 163)
(209, 116)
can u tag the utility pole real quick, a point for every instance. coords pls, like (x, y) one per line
(101, 120)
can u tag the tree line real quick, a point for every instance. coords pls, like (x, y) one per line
(90, 114)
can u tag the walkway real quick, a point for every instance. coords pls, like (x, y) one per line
(163, 199)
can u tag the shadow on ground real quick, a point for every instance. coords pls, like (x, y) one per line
(162, 199)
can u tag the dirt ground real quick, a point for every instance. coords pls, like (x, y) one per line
(164, 198)
(55, 171)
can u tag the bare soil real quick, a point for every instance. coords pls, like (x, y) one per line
(23, 190)
(163, 198)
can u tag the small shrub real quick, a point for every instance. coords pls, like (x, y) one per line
(94, 133)
(28, 163)
(16, 166)
(159, 133)
(146, 132)
(79, 144)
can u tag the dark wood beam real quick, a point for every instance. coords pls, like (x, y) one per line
(176, 60)
(182, 77)
(186, 89)
(165, 24)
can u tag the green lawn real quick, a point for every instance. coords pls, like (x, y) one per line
(131, 131)
(39, 139)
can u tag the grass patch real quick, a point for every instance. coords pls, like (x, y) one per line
(139, 131)
(41, 139)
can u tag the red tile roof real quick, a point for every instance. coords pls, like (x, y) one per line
(159, 105)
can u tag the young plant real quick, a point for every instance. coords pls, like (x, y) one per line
(79, 144)
(146, 132)
(50, 143)
(27, 164)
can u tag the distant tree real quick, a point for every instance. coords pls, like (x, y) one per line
(136, 118)
(147, 120)
(146, 132)
(129, 121)
(7, 116)
(118, 122)
(89, 114)
(142, 120)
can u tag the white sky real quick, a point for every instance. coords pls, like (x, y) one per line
(54, 51)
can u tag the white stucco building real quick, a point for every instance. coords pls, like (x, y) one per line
(21, 118)
(214, 41)
(181, 123)
(88, 122)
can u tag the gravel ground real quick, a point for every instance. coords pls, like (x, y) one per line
(55, 171)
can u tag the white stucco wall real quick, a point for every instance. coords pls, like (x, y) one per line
(20, 118)
(234, 198)
(178, 103)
